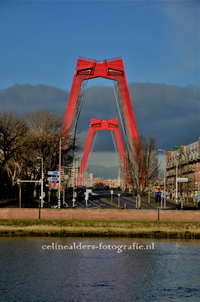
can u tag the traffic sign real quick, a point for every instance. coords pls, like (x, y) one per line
(197, 197)
(182, 179)
(53, 178)
(53, 172)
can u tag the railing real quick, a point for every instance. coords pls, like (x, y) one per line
(100, 61)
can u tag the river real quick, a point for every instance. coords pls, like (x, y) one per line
(99, 269)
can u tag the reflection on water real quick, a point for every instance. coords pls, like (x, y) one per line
(170, 272)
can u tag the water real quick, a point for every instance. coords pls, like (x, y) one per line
(169, 272)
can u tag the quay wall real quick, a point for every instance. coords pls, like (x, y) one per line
(100, 214)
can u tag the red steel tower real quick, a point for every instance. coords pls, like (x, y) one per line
(110, 69)
(96, 125)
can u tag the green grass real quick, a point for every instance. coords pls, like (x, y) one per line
(129, 224)
(108, 201)
(190, 205)
(105, 233)
(99, 228)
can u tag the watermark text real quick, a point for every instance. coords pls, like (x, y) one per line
(80, 246)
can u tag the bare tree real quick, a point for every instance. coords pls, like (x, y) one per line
(142, 164)
(43, 136)
(22, 140)
(13, 131)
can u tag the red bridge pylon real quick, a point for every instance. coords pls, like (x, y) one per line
(110, 69)
(97, 125)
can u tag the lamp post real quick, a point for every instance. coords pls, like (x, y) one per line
(74, 195)
(5, 191)
(198, 183)
(164, 175)
(59, 175)
(176, 180)
(42, 180)
(59, 181)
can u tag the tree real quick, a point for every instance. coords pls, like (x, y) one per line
(43, 136)
(142, 164)
(23, 139)
(44, 139)
(13, 131)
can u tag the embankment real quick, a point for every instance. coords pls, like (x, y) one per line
(100, 227)
(99, 214)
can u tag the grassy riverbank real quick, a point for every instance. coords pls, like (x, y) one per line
(99, 228)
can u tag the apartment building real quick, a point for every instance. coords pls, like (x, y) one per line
(87, 179)
(112, 183)
(184, 162)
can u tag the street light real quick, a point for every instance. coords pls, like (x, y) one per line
(41, 181)
(73, 180)
(59, 181)
(164, 174)
(59, 174)
(198, 183)
(176, 179)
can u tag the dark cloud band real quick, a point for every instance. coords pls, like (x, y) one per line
(169, 112)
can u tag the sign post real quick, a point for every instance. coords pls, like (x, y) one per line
(49, 196)
(111, 195)
(20, 194)
(179, 179)
(86, 198)
(196, 198)
(118, 199)
(54, 177)
(158, 197)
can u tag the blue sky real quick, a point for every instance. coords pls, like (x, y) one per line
(157, 40)
(41, 40)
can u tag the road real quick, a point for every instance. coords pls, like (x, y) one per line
(130, 201)
(94, 203)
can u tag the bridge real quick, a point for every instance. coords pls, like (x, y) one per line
(111, 69)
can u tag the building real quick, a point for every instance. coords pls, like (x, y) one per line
(112, 183)
(183, 162)
(99, 181)
(74, 173)
(85, 178)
